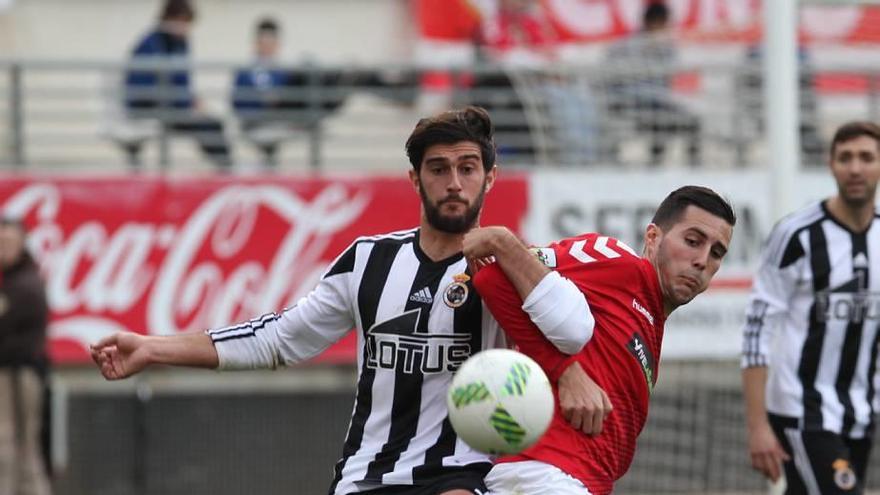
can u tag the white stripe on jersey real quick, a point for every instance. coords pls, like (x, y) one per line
(377, 428)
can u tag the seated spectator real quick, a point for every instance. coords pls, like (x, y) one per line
(642, 92)
(272, 101)
(259, 97)
(166, 94)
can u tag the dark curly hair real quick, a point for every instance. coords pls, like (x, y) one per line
(470, 123)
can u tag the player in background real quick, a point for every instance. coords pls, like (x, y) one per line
(417, 318)
(811, 333)
(629, 297)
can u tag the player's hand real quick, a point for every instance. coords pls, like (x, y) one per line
(766, 452)
(583, 403)
(482, 242)
(120, 355)
(474, 265)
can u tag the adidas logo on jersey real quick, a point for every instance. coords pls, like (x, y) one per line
(422, 296)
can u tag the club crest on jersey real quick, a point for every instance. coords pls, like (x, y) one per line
(844, 476)
(546, 256)
(456, 293)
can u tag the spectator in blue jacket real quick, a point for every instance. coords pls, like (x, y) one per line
(271, 101)
(259, 88)
(259, 93)
(166, 93)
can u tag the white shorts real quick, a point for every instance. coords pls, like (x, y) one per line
(531, 478)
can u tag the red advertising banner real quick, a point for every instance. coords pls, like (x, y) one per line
(163, 256)
(602, 20)
(719, 20)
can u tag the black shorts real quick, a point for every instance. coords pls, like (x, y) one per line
(464, 480)
(829, 462)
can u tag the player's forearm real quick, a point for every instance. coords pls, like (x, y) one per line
(190, 349)
(754, 384)
(521, 267)
(554, 304)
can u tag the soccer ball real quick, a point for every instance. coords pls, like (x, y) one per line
(500, 402)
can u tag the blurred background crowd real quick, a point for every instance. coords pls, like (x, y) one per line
(336, 84)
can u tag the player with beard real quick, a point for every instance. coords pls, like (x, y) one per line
(810, 339)
(417, 317)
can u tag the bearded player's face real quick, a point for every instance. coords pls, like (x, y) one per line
(452, 183)
(856, 167)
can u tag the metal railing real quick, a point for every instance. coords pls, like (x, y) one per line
(77, 113)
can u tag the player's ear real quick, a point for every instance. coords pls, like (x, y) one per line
(414, 178)
(491, 175)
(653, 236)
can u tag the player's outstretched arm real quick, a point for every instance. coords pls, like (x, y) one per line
(124, 354)
(766, 452)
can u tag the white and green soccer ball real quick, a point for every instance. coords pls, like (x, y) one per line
(500, 402)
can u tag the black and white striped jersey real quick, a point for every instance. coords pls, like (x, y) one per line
(813, 320)
(417, 321)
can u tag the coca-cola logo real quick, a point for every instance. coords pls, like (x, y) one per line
(241, 251)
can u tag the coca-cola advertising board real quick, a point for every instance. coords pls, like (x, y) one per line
(161, 256)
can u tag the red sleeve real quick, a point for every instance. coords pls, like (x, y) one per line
(504, 302)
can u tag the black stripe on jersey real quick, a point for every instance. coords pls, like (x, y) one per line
(793, 251)
(370, 290)
(467, 318)
(408, 386)
(808, 368)
(250, 328)
(345, 263)
(849, 355)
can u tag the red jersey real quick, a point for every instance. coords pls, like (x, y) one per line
(622, 356)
